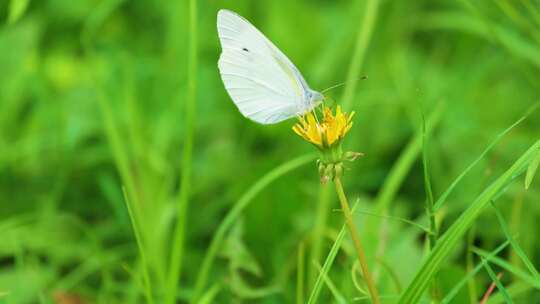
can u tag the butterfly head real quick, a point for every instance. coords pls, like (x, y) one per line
(315, 98)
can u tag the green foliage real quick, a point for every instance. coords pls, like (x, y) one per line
(456, 231)
(98, 97)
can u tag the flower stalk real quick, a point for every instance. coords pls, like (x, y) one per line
(356, 240)
(326, 135)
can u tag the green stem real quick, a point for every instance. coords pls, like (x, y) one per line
(356, 240)
(185, 182)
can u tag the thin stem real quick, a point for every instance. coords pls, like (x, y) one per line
(185, 183)
(356, 240)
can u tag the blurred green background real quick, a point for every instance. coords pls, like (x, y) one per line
(93, 98)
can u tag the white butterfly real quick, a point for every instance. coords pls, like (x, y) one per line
(263, 83)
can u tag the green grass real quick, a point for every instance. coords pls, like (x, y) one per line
(177, 254)
(128, 176)
(449, 239)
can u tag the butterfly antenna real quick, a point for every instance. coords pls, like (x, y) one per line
(342, 84)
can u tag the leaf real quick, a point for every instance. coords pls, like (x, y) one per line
(16, 10)
(236, 251)
(240, 288)
(531, 170)
(240, 261)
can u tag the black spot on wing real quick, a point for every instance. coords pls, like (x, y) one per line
(244, 49)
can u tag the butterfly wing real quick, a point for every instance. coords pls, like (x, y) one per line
(263, 83)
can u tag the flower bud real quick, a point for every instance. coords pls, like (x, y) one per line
(324, 179)
(326, 172)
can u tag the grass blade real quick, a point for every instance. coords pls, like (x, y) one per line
(140, 247)
(515, 290)
(521, 254)
(177, 254)
(403, 164)
(236, 211)
(122, 163)
(454, 291)
(433, 234)
(500, 286)
(442, 199)
(209, 296)
(456, 231)
(522, 275)
(331, 286)
(531, 171)
(395, 218)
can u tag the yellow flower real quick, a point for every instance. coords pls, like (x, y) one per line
(326, 133)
